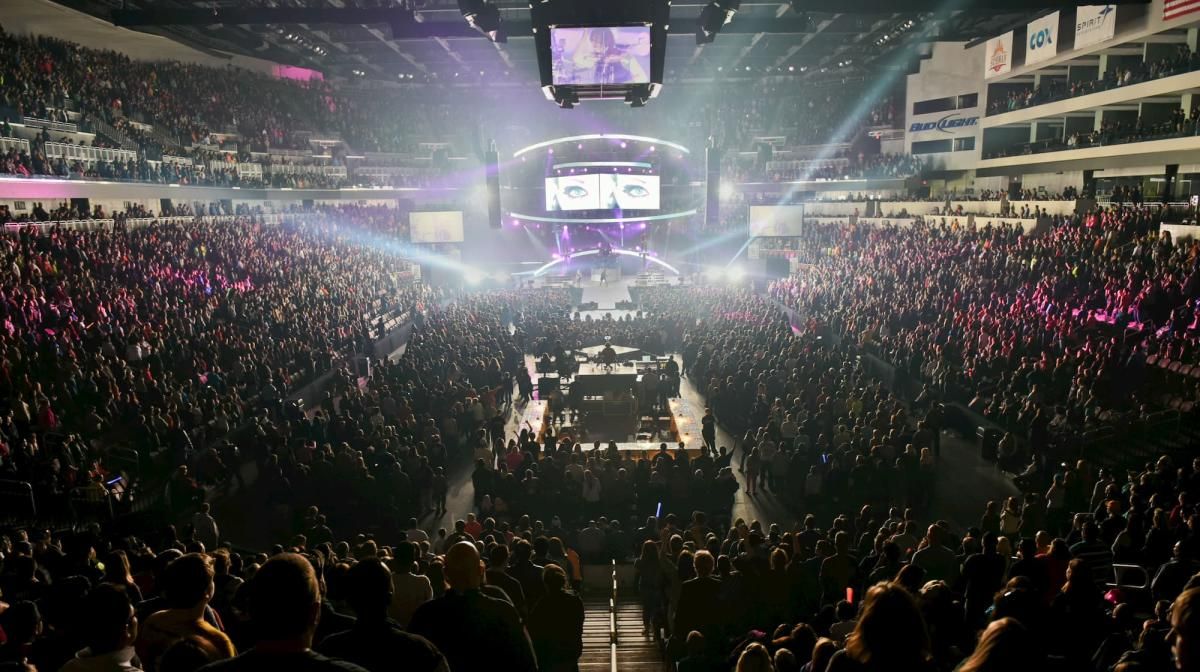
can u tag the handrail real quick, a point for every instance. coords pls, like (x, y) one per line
(612, 620)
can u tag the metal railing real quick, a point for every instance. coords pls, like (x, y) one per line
(58, 126)
(9, 144)
(612, 620)
(56, 150)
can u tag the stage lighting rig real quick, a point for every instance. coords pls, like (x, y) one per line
(484, 17)
(715, 15)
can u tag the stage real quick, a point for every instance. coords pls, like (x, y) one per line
(680, 424)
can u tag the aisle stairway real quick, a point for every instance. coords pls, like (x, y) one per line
(612, 633)
(635, 651)
(597, 652)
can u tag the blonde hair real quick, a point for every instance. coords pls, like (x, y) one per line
(755, 658)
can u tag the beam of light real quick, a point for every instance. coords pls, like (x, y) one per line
(740, 251)
(588, 253)
(713, 240)
(601, 136)
(608, 220)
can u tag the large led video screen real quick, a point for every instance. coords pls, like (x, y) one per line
(573, 192)
(776, 220)
(629, 192)
(600, 55)
(436, 227)
(605, 191)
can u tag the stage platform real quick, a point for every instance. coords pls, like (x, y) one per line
(624, 353)
(683, 425)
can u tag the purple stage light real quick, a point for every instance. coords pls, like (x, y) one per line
(623, 145)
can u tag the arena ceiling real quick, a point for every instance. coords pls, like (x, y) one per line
(421, 41)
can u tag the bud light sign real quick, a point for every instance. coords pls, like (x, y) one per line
(1042, 42)
(946, 124)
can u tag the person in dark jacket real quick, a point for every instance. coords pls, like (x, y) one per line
(375, 641)
(471, 628)
(529, 574)
(699, 604)
(497, 577)
(556, 624)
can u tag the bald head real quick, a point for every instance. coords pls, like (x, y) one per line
(464, 569)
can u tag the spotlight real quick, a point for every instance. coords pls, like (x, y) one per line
(484, 17)
(472, 276)
(715, 15)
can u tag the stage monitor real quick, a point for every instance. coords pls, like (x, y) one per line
(776, 220)
(600, 55)
(436, 227)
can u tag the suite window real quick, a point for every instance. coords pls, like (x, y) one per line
(934, 105)
(932, 146)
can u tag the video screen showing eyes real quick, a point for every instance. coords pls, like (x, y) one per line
(602, 192)
(573, 192)
(629, 192)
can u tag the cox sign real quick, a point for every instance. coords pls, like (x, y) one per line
(946, 124)
(1043, 39)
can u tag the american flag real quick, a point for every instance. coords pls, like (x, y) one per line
(1174, 9)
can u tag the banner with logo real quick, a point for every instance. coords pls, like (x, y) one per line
(1094, 24)
(946, 124)
(998, 59)
(1041, 39)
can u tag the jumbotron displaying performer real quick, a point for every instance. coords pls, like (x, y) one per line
(598, 59)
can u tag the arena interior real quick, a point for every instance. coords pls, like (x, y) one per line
(564, 335)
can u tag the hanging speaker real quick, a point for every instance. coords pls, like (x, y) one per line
(712, 195)
(492, 160)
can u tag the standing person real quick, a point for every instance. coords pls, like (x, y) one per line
(983, 575)
(473, 630)
(409, 589)
(111, 630)
(708, 430)
(187, 585)
(1005, 645)
(649, 580)
(1185, 625)
(753, 469)
(375, 641)
(699, 604)
(890, 635)
(205, 528)
(440, 490)
(556, 624)
(285, 605)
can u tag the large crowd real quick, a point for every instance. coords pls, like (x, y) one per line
(1054, 88)
(230, 474)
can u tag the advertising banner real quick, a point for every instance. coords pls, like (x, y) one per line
(998, 58)
(1041, 39)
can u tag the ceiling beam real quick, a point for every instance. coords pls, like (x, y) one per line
(404, 26)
